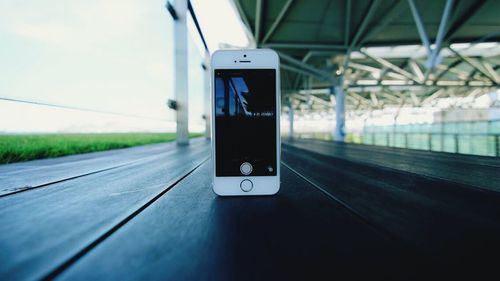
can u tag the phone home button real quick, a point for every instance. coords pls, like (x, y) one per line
(246, 185)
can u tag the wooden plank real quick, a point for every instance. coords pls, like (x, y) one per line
(26, 175)
(453, 225)
(191, 234)
(42, 228)
(461, 158)
(350, 148)
(481, 172)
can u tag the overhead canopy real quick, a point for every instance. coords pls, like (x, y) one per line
(328, 38)
(303, 25)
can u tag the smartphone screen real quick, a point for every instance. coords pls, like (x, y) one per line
(245, 122)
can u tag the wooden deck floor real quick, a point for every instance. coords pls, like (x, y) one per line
(343, 210)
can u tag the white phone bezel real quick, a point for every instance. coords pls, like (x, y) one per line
(258, 59)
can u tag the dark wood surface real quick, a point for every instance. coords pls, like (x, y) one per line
(41, 229)
(439, 217)
(38, 173)
(334, 217)
(479, 171)
(190, 233)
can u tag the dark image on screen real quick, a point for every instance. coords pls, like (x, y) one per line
(245, 121)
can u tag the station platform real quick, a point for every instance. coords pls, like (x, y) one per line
(343, 210)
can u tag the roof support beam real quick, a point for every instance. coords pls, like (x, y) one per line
(361, 29)
(376, 72)
(463, 75)
(359, 98)
(244, 18)
(317, 72)
(393, 67)
(391, 97)
(365, 68)
(420, 26)
(491, 71)
(299, 76)
(416, 69)
(395, 75)
(373, 85)
(347, 22)
(321, 101)
(474, 64)
(301, 71)
(432, 97)
(277, 21)
(439, 37)
(319, 47)
(356, 102)
(366, 19)
(299, 97)
(307, 56)
(382, 74)
(258, 20)
(474, 93)
(389, 16)
(448, 68)
(242, 14)
(414, 99)
(324, 14)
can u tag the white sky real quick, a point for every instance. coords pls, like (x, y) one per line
(109, 55)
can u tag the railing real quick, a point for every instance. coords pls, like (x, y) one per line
(478, 144)
(479, 137)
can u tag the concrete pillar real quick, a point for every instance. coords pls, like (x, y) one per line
(181, 71)
(338, 90)
(208, 95)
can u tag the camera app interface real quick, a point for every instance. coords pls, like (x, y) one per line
(245, 122)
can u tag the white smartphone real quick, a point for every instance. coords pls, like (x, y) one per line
(245, 122)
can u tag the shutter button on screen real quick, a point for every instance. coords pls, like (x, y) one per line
(246, 168)
(246, 185)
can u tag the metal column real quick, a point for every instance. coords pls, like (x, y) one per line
(339, 110)
(181, 71)
(290, 119)
(208, 95)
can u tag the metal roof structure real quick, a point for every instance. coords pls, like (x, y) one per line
(381, 52)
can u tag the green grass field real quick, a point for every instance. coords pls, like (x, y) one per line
(17, 148)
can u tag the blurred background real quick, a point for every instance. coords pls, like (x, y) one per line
(106, 67)
(85, 73)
